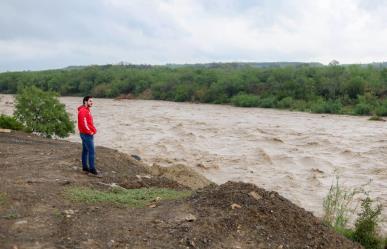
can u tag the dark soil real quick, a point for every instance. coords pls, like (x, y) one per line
(35, 173)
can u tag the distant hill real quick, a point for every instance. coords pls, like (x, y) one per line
(225, 65)
(246, 64)
(206, 65)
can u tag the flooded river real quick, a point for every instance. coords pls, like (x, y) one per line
(293, 153)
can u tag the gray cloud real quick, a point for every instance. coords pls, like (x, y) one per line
(45, 34)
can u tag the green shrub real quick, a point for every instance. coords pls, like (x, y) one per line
(102, 91)
(183, 93)
(42, 112)
(362, 109)
(381, 110)
(339, 204)
(330, 106)
(268, 102)
(285, 103)
(346, 232)
(245, 100)
(366, 224)
(9, 122)
(300, 105)
(367, 103)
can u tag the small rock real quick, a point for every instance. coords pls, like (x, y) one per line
(65, 182)
(69, 211)
(255, 195)
(136, 157)
(110, 243)
(143, 176)
(157, 221)
(190, 218)
(234, 206)
(90, 243)
(21, 222)
(190, 242)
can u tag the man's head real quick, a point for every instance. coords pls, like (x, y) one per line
(88, 101)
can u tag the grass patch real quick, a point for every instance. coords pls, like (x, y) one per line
(11, 215)
(10, 122)
(131, 197)
(57, 213)
(3, 198)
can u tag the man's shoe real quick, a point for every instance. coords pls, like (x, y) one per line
(86, 171)
(95, 173)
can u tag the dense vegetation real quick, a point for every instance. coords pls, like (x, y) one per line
(349, 89)
(10, 122)
(41, 112)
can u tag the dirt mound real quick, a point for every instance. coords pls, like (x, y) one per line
(35, 213)
(181, 174)
(251, 217)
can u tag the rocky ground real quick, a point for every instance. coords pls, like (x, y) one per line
(35, 212)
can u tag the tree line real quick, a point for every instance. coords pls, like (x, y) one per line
(349, 89)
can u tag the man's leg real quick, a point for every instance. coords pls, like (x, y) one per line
(84, 154)
(90, 149)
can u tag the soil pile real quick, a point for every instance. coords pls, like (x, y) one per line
(35, 213)
(181, 174)
(250, 217)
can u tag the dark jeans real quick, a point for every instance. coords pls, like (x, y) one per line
(88, 152)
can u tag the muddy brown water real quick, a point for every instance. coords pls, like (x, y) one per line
(293, 153)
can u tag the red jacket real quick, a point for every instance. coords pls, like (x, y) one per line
(85, 121)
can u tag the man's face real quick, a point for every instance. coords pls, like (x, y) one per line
(89, 103)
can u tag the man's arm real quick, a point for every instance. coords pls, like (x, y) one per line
(90, 125)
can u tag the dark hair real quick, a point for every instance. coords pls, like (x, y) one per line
(85, 99)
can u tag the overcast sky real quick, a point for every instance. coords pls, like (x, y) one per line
(43, 34)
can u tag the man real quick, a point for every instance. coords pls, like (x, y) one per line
(87, 131)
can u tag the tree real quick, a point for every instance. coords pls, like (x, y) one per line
(334, 63)
(42, 112)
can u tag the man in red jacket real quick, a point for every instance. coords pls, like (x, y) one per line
(87, 131)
